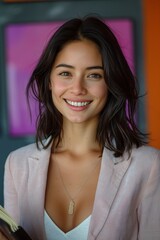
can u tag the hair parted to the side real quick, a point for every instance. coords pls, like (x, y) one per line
(117, 129)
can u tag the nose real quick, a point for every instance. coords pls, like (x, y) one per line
(78, 87)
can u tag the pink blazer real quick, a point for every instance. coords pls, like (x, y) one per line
(127, 201)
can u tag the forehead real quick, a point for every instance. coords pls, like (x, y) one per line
(81, 42)
(80, 50)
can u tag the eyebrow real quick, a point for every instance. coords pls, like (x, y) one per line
(70, 66)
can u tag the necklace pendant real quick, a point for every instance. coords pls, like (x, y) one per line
(71, 207)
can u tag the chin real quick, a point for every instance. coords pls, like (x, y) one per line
(76, 120)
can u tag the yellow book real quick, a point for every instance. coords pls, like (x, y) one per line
(9, 227)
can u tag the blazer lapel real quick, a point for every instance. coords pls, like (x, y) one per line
(38, 168)
(111, 174)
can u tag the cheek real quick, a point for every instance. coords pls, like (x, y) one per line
(57, 87)
(101, 91)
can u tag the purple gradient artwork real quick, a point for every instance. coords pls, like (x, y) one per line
(23, 46)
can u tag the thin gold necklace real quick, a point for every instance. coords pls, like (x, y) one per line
(72, 204)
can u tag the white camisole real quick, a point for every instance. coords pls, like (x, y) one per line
(53, 232)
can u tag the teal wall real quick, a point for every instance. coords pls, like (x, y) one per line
(62, 10)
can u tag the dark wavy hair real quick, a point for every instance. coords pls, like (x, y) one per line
(116, 130)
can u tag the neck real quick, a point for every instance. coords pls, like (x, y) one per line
(79, 138)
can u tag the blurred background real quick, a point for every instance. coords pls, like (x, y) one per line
(26, 26)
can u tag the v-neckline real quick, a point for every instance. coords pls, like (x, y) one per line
(70, 231)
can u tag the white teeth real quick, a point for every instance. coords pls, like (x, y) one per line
(77, 104)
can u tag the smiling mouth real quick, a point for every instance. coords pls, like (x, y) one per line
(77, 104)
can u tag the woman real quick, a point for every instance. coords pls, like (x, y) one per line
(89, 175)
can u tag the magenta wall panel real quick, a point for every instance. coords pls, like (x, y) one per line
(23, 46)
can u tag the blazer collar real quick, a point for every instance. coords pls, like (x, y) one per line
(111, 174)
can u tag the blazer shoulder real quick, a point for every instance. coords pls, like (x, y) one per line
(147, 157)
(146, 152)
(28, 151)
(20, 156)
(25, 150)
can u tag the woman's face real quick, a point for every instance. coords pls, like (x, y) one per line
(77, 82)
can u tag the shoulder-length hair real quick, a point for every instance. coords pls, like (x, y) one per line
(116, 130)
